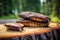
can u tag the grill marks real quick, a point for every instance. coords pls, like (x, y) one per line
(34, 19)
(34, 16)
(33, 24)
(38, 19)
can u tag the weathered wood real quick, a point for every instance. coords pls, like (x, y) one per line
(27, 31)
(54, 25)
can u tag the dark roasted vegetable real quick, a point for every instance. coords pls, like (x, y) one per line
(34, 16)
(28, 23)
(14, 26)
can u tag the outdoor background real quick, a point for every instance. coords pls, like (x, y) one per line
(9, 9)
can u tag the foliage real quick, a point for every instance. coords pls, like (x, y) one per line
(10, 17)
(50, 8)
(55, 16)
(5, 7)
(31, 5)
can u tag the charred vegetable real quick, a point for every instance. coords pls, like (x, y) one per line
(14, 26)
(28, 23)
(34, 16)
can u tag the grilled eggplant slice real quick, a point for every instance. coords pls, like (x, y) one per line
(14, 26)
(34, 16)
(28, 23)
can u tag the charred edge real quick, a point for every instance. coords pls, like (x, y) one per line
(34, 24)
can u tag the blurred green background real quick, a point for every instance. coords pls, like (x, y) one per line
(9, 9)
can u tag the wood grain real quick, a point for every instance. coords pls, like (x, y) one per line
(54, 25)
(29, 31)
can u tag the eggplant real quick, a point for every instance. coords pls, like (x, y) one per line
(28, 23)
(34, 16)
(14, 26)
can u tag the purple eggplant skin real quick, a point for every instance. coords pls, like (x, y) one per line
(15, 28)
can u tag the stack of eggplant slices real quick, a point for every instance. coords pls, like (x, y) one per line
(29, 19)
(32, 19)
